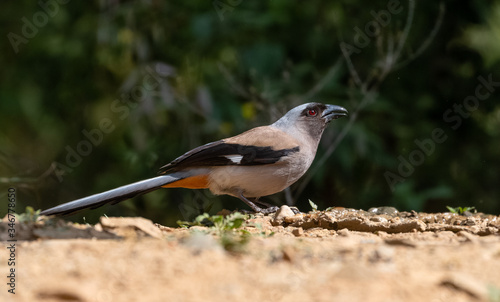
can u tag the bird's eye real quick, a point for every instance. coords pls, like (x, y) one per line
(312, 112)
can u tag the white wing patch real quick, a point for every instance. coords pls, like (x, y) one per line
(234, 158)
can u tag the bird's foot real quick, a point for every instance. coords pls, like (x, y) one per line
(269, 210)
(262, 207)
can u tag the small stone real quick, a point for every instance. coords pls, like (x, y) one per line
(281, 214)
(343, 232)
(98, 227)
(297, 232)
(384, 210)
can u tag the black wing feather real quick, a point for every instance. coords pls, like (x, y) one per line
(215, 154)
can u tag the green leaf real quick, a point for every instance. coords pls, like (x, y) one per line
(452, 210)
(313, 205)
(460, 210)
(30, 215)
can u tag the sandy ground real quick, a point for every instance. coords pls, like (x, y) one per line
(338, 255)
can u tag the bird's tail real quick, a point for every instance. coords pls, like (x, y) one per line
(115, 195)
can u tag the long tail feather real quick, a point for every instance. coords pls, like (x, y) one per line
(115, 195)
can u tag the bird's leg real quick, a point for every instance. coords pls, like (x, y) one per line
(262, 203)
(255, 207)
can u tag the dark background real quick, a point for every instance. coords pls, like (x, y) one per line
(131, 85)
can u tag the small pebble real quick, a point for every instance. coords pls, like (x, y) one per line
(343, 232)
(281, 214)
(384, 210)
(297, 232)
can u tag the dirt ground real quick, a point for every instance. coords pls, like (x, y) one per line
(334, 255)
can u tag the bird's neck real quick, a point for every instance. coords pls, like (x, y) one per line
(308, 142)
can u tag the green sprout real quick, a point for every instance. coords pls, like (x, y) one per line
(461, 210)
(313, 206)
(219, 222)
(227, 228)
(30, 215)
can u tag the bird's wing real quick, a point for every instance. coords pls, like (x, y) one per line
(258, 146)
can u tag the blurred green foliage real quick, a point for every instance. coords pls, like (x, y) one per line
(142, 82)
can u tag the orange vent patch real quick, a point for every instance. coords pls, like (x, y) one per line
(193, 182)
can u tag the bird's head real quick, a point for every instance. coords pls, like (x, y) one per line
(310, 118)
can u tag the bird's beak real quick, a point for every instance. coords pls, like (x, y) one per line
(333, 112)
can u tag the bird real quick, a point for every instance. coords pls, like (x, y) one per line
(259, 162)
